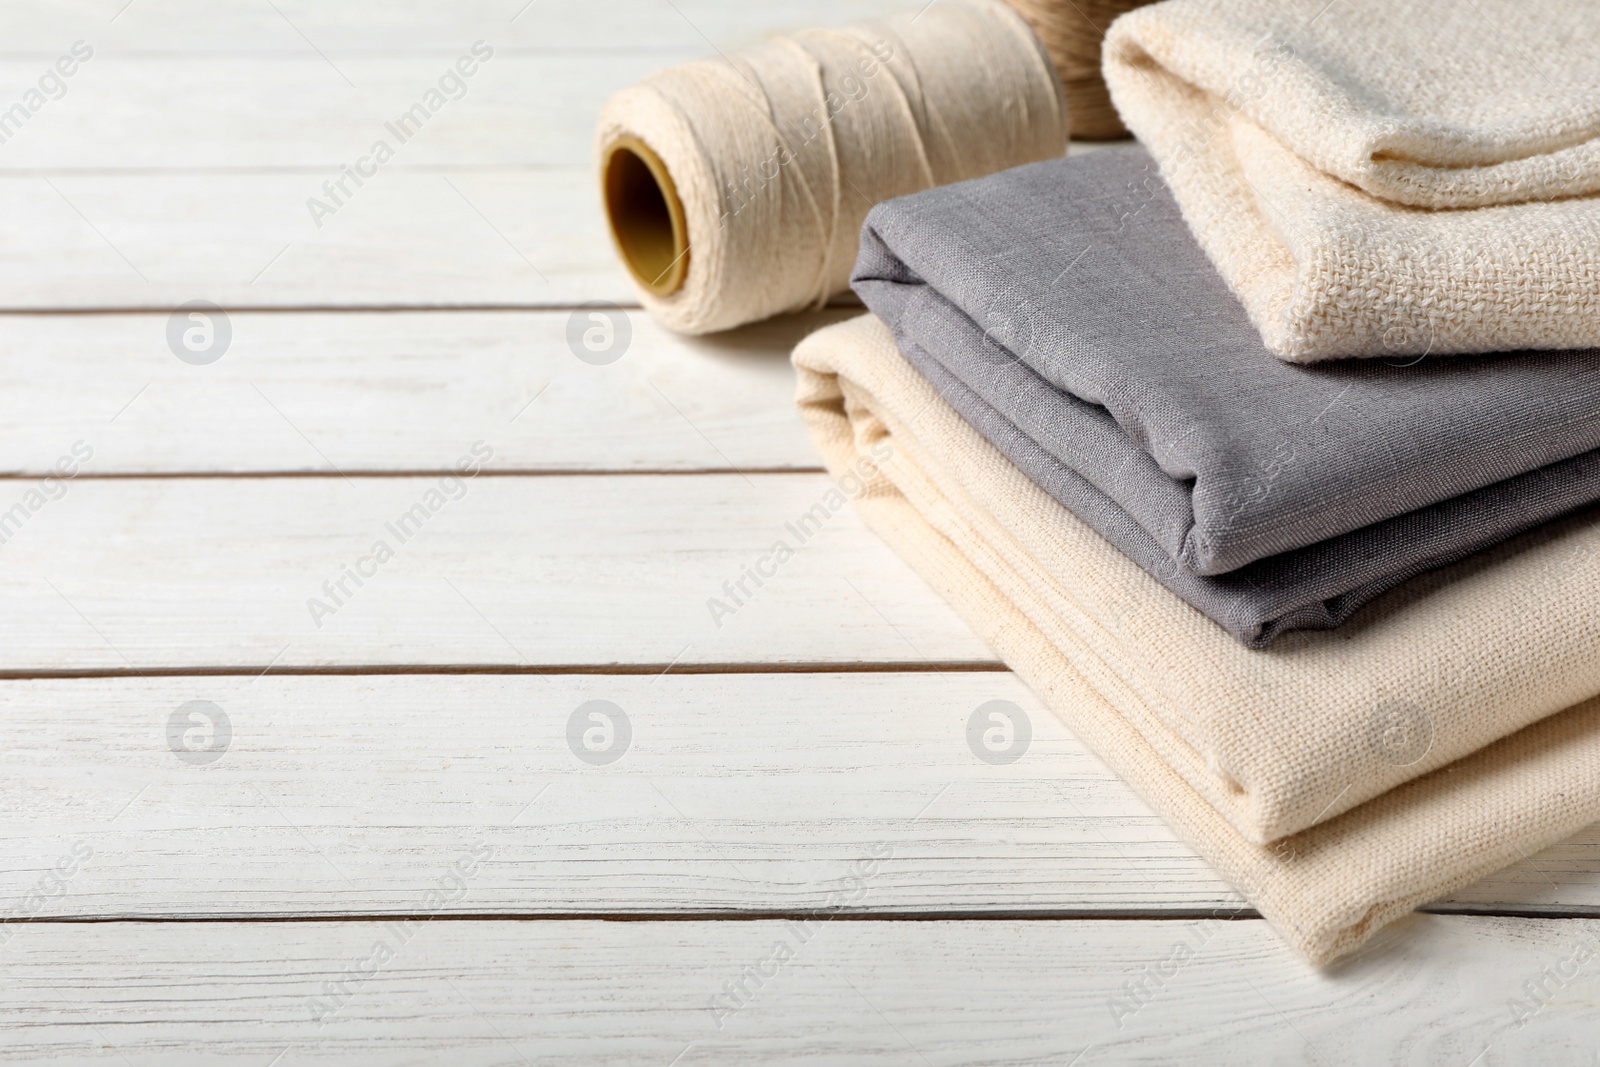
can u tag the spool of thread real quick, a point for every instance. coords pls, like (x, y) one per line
(736, 187)
(1072, 32)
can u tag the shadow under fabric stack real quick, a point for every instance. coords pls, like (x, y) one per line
(1334, 618)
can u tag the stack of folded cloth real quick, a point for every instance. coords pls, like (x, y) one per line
(1334, 618)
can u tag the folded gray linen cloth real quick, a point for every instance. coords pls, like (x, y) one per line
(1066, 312)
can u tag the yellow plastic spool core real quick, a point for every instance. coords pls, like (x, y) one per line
(646, 216)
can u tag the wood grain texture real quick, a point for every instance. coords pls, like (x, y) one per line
(294, 27)
(171, 112)
(1433, 990)
(164, 177)
(204, 113)
(132, 575)
(398, 392)
(504, 237)
(487, 237)
(343, 796)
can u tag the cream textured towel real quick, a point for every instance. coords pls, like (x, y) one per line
(1098, 639)
(1304, 142)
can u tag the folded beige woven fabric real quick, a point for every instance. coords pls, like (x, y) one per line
(1304, 142)
(1280, 739)
(1095, 637)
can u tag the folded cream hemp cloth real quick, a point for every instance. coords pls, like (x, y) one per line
(1375, 178)
(1338, 782)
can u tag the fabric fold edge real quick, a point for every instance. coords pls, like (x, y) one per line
(1324, 269)
(1326, 889)
(1190, 133)
(1411, 161)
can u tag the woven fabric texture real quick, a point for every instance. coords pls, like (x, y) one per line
(1105, 646)
(1306, 143)
(1066, 312)
(1278, 740)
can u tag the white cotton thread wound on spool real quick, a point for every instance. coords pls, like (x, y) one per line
(776, 153)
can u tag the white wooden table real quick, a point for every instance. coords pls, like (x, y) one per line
(380, 838)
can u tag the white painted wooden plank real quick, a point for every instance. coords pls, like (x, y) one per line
(344, 796)
(524, 96)
(498, 571)
(1433, 990)
(528, 238)
(414, 234)
(364, 26)
(493, 202)
(491, 236)
(298, 112)
(205, 116)
(398, 392)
